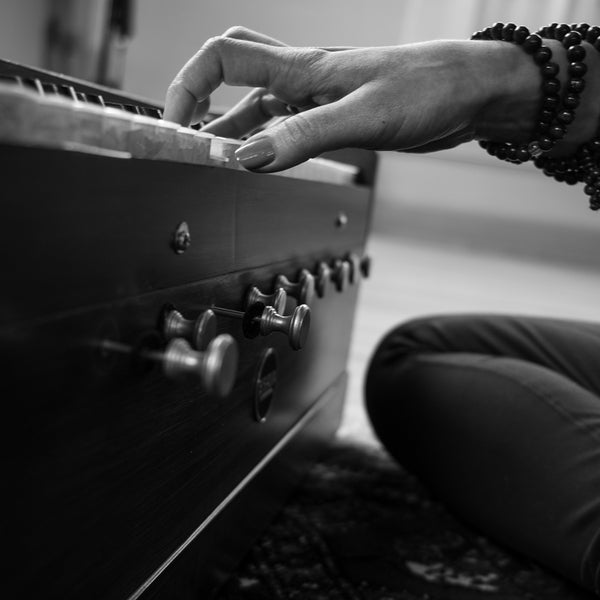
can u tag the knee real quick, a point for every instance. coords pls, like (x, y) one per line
(389, 358)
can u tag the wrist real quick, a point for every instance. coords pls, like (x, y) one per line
(510, 93)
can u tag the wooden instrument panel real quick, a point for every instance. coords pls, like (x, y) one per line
(126, 474)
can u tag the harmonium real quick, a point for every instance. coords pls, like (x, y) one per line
(174, 335)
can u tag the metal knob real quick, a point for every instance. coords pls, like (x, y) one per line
(215, 367)
(199, 331)
(264, 320)
(355, 271)
(340, 275)
(303, 289)
(365, 266)
(277, 299)
(322, 279)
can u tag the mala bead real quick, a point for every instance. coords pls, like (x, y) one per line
(546, 133)
(557, 110)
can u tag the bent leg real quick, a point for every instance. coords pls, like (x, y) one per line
(488, 413)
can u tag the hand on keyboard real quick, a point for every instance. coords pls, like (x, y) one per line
(416, 97)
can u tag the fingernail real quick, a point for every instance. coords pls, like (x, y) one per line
(254, 155)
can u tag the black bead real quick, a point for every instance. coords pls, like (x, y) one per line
(571, 39)
(561, 31)
(487, 33)
(522, 154)
(502, 153)
(565, 116)
(595, 145)
(543, 127)
(543, 55)
(571, 101)
(576, 86)
(546, 115)
(549, 70)
(520, 34)
(582, 28)
(550, 102)
(557, 132)
(576, 53)
(551, 86)
(508, 31)
(545, 143)
(532, 43)
(593, 33)
(577, 69)
(571, 178)
(497, 30)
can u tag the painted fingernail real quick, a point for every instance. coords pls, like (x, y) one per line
(256, 154)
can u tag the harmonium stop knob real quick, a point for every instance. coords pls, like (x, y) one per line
(295, 326)
(302, 290)
(199, 332)
(322, 279)
(340, 275)
(215, 367)
(259, 319)
(355, 268)
(277, 299)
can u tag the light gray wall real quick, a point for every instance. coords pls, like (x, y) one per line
(22, 26)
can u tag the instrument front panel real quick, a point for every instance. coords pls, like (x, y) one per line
(117, 470)
(92, 229)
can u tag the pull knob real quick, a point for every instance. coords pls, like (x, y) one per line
(215, 367)
(303, 289)
(365, 266)
(340, 275)
(277, 299)
(322, 279)
(199, 331)
(355, 271)
(264, 320)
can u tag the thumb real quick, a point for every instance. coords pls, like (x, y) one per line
(303, 136)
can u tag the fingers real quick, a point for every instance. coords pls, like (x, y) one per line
(242, 33)
(220, 61)
(255, 109)
(306, 135)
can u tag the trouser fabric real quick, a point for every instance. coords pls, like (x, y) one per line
(499, 416)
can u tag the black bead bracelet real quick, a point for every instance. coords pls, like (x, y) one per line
(584, 164)
(557, 110)
(547, 132)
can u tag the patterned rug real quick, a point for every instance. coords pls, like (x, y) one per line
(361, 528)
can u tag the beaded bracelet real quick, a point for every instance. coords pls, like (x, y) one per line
(547, 133)
(584, 164)
(556, 112)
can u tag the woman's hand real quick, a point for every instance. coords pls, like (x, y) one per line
(417, 97)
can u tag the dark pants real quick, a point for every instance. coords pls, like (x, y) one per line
(500, 417)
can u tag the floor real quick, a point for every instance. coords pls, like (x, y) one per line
(412, 278)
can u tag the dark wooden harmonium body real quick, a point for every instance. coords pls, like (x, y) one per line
(155, 418)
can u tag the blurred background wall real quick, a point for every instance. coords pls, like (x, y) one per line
(459, 196)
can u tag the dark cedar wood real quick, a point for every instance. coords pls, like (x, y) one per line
(109, 467)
